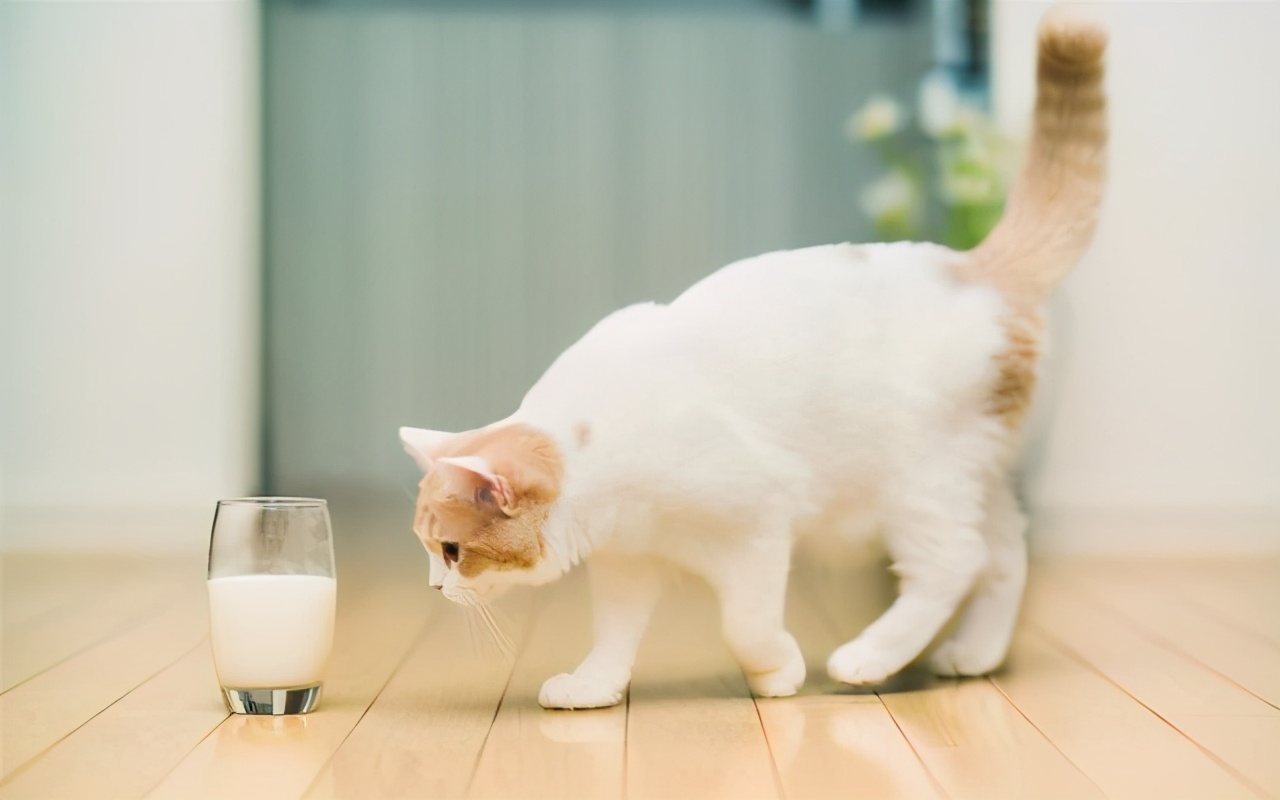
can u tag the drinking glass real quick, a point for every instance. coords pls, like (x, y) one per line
(272, 594)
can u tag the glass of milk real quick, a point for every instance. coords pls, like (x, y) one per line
(272, 592)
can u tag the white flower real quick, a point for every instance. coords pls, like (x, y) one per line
(881, 116)
(939, 105)
(893, 194)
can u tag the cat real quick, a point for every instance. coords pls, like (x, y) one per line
(842, 390)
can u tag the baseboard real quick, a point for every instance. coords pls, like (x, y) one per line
(167, 530)
(1154, 533)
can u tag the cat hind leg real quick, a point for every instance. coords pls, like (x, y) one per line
(932, 535)
(980, 641)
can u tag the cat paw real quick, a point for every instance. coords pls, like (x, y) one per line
(572, 691)
(857, 664)
(955, 658)
(782, 682)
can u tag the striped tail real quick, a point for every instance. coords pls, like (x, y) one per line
(1053, 208)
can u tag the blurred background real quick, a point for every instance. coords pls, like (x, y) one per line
(241, 243)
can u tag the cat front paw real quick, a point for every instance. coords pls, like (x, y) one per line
(858, 664)
(782, 682)
(955, 658)
(573, 691)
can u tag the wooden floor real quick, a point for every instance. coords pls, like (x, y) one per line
(1128, 680)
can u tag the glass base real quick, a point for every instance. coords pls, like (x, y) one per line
(276, 702)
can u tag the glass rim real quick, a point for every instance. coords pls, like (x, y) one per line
(275, 502)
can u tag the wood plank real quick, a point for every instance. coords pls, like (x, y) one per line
(1188, 642)
(36, 714)
(692, 727)
(1250, 661)
(832, 745)
(1248, 744)
(423, 734)
(37, 583)
(533, 753)
(1245, 594)
(129, 747)
(977, 745)
(120, 595)
(970, 738)
(829, 741)
(1220, 716)
(1096, 725)
(379, 616)
(1160, 676)
(1251, 607)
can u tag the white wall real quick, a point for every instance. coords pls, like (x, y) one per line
(128, 299)
(1165, 432)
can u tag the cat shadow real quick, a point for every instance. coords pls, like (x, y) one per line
(725, 686)
(911, 679)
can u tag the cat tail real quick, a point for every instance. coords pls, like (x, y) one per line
(1052, 209)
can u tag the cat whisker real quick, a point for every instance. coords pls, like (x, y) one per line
(472, 636)
(508, 645)
(503, 619)
(471, 632)
(505, 645)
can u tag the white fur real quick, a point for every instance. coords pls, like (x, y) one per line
(418, 442)
(835, 390)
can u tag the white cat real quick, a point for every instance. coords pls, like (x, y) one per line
(837, 391)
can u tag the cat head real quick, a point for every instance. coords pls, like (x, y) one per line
(483, 500)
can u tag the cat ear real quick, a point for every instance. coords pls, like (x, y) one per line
(421, 443)
(472, 478)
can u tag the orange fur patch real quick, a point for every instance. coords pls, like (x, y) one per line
(488, 538)
(1014, 386)
(514, 543)
(1015, 383)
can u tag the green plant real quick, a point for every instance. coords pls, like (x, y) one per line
(964, 156)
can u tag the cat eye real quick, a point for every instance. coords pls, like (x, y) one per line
(450, 550)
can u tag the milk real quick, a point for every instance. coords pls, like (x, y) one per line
(271, 631)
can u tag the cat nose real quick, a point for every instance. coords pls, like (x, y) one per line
(439, 587)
